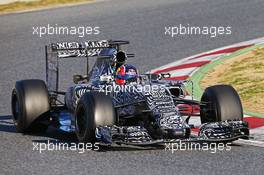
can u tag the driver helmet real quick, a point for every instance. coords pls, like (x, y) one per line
(126, 74)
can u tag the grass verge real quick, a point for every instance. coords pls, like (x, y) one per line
(245, 72)
(202, 72)
(21, 6)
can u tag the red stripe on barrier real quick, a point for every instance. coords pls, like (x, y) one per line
(254, 122)
(228, 50)
(183, 66)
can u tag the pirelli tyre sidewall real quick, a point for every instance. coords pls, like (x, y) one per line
(220, 103)
(93, 109)
(30, 106)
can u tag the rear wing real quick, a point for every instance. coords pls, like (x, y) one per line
(57, 51)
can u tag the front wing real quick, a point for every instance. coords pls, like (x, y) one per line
(226, 131)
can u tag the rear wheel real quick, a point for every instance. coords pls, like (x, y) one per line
(220, 103)
(30, 106)
(93, 109)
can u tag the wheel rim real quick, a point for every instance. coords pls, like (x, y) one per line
(208, 110)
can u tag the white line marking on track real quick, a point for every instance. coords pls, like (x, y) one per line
(250, 142)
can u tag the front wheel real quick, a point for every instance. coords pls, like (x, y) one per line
(93, 109)
(220, 103)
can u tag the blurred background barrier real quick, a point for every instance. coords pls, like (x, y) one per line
(7, 6)
(10, 1)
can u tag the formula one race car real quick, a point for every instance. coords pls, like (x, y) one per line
(113, 103)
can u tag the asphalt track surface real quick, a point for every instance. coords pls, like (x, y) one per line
(142, 22)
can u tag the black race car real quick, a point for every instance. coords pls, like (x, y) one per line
(113, 103)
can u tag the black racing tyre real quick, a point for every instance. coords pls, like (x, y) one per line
(220, 103)
(93, 109)
(30, 106)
